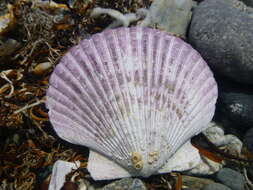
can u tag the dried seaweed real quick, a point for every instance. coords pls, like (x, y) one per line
(43, 32)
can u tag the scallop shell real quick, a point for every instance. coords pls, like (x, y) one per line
(134, 95)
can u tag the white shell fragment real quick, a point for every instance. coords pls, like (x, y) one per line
(134, 95)
(102, 168)
(60, 170)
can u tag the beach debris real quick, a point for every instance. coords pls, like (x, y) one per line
(172, 16)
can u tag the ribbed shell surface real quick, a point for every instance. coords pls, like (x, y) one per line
(135, 95)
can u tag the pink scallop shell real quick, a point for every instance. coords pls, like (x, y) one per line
(132, 90)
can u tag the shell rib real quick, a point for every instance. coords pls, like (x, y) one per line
(134, 95)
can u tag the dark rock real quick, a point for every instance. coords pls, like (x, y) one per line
(126, 184)
(222, 31)
(216, 186)
(250, 172)
(248, 140)
(231, 178)
(233, 123)
(227, 85)
(248, 2)
(235, 109)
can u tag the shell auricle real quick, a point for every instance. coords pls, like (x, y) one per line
(134, 96)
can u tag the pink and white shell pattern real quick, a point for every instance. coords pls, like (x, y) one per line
(134, 95)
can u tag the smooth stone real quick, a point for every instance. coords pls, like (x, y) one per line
(126, 184)
(216, 186)
(231, 178)
(222, 32)
(195, 183)
(248, 140)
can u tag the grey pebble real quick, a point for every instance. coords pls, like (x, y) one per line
(222, 32)
(231, 178)
(216, 186)
(126, 184)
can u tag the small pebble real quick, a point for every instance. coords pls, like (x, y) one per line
(42, 68)
(216, 186)
(126, 184)
(231, 178)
